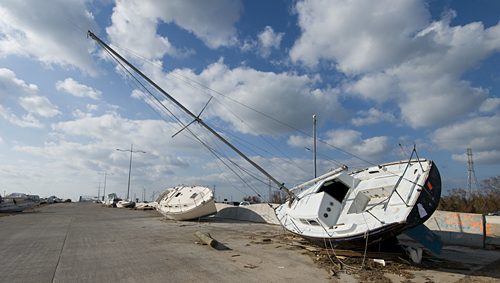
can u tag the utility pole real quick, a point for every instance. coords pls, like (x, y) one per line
(98, 190)
(143, 193)
(105, 174)
(130, 165)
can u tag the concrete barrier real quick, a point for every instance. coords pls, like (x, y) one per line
(462, 229)
(260, 212)
(492, 231)
(455, 228)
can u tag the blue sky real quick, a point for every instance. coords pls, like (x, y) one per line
(376, 73)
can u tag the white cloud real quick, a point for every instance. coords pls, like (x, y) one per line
(267, 40)
(350, 140)
(359, 36)
(39, 105)
(481, 157)
(45, 31)
(16, 92)
(391, 51)
(73, 87)
(134, 24)
(92, 107)
(275, 94)
(481, 134)
(115, 129)
(490, 105)
(25, 121)
(372, 116)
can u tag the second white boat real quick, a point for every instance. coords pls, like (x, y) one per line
(185, 203)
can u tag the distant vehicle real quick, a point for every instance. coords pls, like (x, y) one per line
(244, 203)
(494, 213)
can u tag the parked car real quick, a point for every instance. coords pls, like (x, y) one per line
(494, 213)
(244, 203)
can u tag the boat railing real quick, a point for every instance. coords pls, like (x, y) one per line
(397, 185)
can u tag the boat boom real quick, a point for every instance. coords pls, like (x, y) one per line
(326, 175)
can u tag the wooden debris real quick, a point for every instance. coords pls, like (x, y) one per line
(207, 239)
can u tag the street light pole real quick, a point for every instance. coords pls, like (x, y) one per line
(105, 174)
(130, 165)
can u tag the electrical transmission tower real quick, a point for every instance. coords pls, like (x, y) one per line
(472, 174)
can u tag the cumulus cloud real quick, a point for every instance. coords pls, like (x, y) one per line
(490, 105)
(393, 52)
(481, 134)
(113, 128)
(481, 157)
(15, 92)
(372, 116)
(245, 91)
(135, 23)
(73, 87)
(46, 32)
(267, 41)
(371, 148)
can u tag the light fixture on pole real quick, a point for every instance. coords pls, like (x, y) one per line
(130, 165)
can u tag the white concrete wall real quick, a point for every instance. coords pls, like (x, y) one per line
(260, 212)
(492, 231)
(455, 228)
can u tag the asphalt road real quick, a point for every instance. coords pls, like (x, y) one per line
(87, 242)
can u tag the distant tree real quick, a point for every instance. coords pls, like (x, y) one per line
(255, 199)
(486, 200)
(278, 196)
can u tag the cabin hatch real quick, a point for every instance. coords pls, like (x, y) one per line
(335, 188)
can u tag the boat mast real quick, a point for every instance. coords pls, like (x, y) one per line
(196, 118)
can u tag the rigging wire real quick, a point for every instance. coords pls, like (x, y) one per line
(163, 108)
(204, 89)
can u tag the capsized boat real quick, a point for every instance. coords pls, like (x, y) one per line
(355, 209)
(185, 203)
(17, 202)
(366, 207)
(112, 199)
(125, 203)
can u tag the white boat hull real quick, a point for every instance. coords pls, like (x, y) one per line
(16, 204)
(185, 203)
(364, 207)
(125, 204)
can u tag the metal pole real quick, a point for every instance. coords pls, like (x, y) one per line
(129, 170)
(105, 175)
(130, 166)
(314, 148)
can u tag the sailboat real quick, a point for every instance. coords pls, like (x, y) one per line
(366, 207)
(17, 202)
(341, 208)
(125, 203)
(186, 202)
(112, 199)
